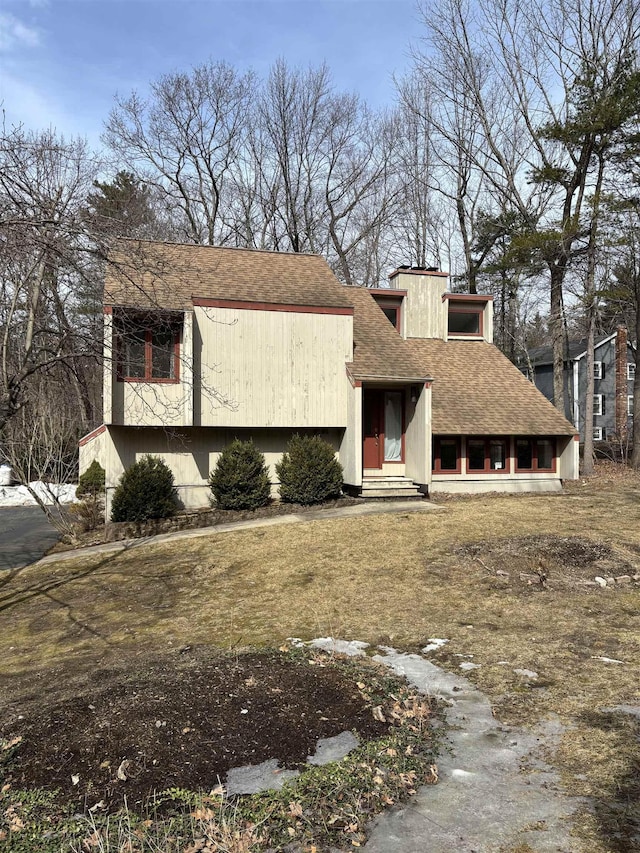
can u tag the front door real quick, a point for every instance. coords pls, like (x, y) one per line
(372, 421)
(382, 427)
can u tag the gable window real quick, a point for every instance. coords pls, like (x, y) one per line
(598, 370)
(631, 371)
(486, 455)
(465, 320)
(630, 405)
(446, 456)
(598, 434)
(535, 454)
(148, 349)
(598, 404)
(392, 313)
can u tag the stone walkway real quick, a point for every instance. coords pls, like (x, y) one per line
(356, 510)
(495, 791)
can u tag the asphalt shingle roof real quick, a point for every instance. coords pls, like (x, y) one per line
(379, 351)
(478, 391)
(168, 275)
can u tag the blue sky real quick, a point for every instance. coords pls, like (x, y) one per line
(62, 61)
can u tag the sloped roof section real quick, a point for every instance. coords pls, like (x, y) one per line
(380, 353)
(540, 356)
(143, 274)
(478, 391)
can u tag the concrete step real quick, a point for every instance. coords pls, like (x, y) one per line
(381, 494)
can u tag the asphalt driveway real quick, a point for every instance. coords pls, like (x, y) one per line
(25, 536)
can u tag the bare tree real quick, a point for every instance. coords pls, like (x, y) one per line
(184, 140)
(513, 67)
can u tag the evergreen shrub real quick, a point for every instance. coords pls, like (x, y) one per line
(309, 472)
(91, 483)
(240, 479)
(145, 491)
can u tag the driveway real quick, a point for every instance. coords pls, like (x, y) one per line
(25, 536)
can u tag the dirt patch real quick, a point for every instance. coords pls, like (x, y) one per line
(550, 561)
(183, 722)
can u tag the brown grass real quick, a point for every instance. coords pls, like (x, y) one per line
(398, 579)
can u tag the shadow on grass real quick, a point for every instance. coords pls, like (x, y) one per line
(617, 811)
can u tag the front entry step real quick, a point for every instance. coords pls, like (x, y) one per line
(398, 488)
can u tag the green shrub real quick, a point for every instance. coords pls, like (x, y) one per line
(240, 479)
(309, 472)
(91, 483)
(145, 491)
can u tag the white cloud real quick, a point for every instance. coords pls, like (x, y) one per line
(13, 33)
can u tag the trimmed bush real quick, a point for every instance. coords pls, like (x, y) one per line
(309, 472)
(145, 491)
(240, 479)
(91, 483)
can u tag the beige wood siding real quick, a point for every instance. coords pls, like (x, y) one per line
(150, 403)
(351, 446)
(271, 368)
(568, 459)
(418, 437)
(192, 453)
(425, 314)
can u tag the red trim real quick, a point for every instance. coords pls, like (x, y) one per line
(91, 435)
(108, 309)
(487, 469)
(390, 292)
(419, 272)
(472, 309)
(534, 455)
(148, 367)
(357, 383)
(270, 306)
(467, 297)
(576, 438)
(435, 463)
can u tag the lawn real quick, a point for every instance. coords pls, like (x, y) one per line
(506, 579)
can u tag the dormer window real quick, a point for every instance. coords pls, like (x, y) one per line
(390, 303)
(465, 320)
(148, 348)
(465, 314)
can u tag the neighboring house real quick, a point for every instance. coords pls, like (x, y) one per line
(206, 344)
(614, 373)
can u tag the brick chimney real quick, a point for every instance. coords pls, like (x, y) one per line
(621, 381)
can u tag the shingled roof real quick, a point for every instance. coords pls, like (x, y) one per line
(145, 274)
(379, 351)
(478, 391)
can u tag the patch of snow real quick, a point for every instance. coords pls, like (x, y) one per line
(49, 493)
(352, 648)
(467, 665)
(527, 673)
(461, 774)
(433, 644)
(600, 581)
(605, 660)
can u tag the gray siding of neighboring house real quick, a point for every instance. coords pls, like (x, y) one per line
(605, 353)
(606, 387)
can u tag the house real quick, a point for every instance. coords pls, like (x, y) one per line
(205, 344)
(614, 373)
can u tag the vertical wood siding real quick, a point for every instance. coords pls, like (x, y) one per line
(272, 368)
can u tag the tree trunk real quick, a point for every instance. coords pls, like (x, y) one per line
(555, 327)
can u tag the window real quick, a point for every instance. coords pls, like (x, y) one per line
(598, 434)
(148, 350)
(535, 454)
(630, 405)
(446, 456)
(487, 455)
(598, 404)
(631, 371)
(465, 321)
(392, 313)
(598, 370)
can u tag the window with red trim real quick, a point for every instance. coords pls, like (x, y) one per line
(535, 454)
(148, 350)
(446, 455)
(487, 455)
(465, 320)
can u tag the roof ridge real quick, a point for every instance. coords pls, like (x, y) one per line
(222, 248)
